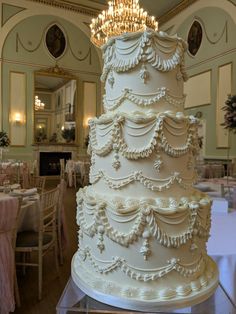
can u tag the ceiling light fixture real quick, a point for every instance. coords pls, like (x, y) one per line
(38, 105)
(122, 16)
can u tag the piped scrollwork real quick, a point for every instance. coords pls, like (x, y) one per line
(160, 125)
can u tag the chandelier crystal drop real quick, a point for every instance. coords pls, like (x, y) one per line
(38, 104)
(122, 16)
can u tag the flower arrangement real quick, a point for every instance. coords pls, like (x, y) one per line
(230, 113)
(4, 139)
(229, 122)
(68, 134)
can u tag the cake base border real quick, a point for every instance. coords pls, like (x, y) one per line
(147, 305)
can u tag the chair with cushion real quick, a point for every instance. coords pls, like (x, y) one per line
(37, 182)
(42, 240)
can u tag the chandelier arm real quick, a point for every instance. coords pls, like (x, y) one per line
(122, 16)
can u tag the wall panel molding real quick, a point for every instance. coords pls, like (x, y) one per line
(17, 108)
(193, 97)
(89, 103)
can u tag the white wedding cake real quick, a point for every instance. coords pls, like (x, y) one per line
(143, 227)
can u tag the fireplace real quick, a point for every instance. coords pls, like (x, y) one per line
(49, 162)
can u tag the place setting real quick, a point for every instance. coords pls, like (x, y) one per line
(24, 192)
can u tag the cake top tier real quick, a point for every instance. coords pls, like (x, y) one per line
(144, 71)
(125, 52)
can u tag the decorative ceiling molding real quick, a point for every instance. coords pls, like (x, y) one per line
(78, 8)
(93, 12)
(87, 25)
(233, 3)
(175, 11)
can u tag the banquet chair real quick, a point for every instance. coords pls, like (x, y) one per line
(71, 179)
(86, 173)
(25, 174)
(3, 177)
(37, 182)
(62, 168)
(229, 193)
(14, 235)
(10, 174)
(60, 221)
(42, 240)
(234, 168)
(13, 178)
(34, 168)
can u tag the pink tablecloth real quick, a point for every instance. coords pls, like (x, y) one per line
(222, 247)
(8, 215)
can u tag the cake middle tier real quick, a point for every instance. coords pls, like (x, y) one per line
(144, 153)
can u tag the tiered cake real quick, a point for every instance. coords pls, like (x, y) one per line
(143, 227)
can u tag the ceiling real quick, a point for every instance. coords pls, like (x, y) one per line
(49, 83)
(158, 8)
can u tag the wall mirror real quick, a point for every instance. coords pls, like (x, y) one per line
(55, 107)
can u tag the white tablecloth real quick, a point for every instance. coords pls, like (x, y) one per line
(222, 247)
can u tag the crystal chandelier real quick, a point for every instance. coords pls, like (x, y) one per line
(122, 16)
(38, 105)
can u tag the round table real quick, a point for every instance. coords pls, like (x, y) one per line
(8, 219)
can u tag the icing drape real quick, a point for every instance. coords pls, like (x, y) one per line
(162, 52)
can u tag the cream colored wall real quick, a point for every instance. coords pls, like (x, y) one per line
(218, 21)
(23, 50)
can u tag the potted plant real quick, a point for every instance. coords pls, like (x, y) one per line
(4, 142)
(68, 134)
(229, 121)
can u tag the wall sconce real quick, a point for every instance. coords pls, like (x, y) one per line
(18, 118)
(86, 121)
(86, 125)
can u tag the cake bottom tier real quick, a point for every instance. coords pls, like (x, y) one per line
(121, 295)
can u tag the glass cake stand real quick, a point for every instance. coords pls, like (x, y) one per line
(73, 300)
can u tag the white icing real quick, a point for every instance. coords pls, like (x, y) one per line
(159, 125)
(143, 214)
(143, 228)
(149, 183)
(148, 46)
(105, 267)
(143, 100)
(138, 293)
